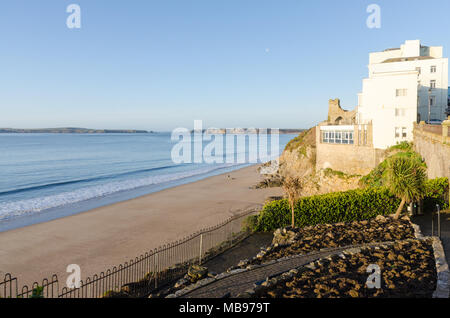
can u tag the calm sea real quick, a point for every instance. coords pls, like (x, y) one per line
(47, 176)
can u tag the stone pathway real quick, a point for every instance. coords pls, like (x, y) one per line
(246, 249)
(233, 285)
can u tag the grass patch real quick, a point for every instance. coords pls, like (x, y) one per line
(303, 139)
(328, 172)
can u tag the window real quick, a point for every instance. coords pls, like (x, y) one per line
(432, 84)
(433, 69)
(401, 131)
(401, 92)
(337, 137)
(432, 100)
(347, 137)
(400, 112)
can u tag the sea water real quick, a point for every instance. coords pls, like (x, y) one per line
(48, 176)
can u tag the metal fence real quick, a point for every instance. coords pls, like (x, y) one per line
(146, 273)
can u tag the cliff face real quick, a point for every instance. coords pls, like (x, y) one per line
(299, 160)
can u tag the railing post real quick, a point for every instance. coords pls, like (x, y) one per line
(439, 220)
(201, 246)
(432, 222)
(156, 269)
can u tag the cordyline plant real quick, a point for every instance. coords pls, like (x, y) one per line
(293, 187)
(405, 178)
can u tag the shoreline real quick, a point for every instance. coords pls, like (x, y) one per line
(63, 211)
(107, 236)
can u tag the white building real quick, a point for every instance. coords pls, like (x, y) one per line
(405, 85)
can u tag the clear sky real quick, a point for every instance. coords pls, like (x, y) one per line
(158, 65)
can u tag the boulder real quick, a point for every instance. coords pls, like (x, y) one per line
(283, 237)
(181, 283)
(197, 272)
(243, 263)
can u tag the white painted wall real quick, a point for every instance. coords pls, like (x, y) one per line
(424, 79)
(378, 101)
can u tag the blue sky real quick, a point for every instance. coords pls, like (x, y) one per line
(158, 65)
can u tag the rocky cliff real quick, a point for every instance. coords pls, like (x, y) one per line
(299, 160)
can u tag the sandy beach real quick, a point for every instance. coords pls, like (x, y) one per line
(107, 236)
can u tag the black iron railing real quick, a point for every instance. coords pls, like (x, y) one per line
(144, 274)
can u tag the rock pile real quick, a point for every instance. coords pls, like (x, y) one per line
(407, 269)
(194, 274)
(287, 242)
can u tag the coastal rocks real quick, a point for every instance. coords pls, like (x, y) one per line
(272, 181)
(299, 160)
(411, 273)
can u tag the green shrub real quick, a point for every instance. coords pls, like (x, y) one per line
(38, 292)
(404, 145)
(354, 205)
(251, 223)
(329, 208)
(328, 172)
(376, 177)
(436, 193)
(297, 141)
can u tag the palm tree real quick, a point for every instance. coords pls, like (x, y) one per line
(405, 178)
(292, 186)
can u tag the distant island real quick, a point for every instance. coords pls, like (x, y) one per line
(70, 130)
(224, 131)
(74, 130)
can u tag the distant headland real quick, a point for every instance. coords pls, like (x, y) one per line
(223, 131)
(71, 130)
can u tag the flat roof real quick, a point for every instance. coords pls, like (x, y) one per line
(407, 59)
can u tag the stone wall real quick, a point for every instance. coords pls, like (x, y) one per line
(339, 116)
(353, 159)
(350, 159)
(435, 149)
